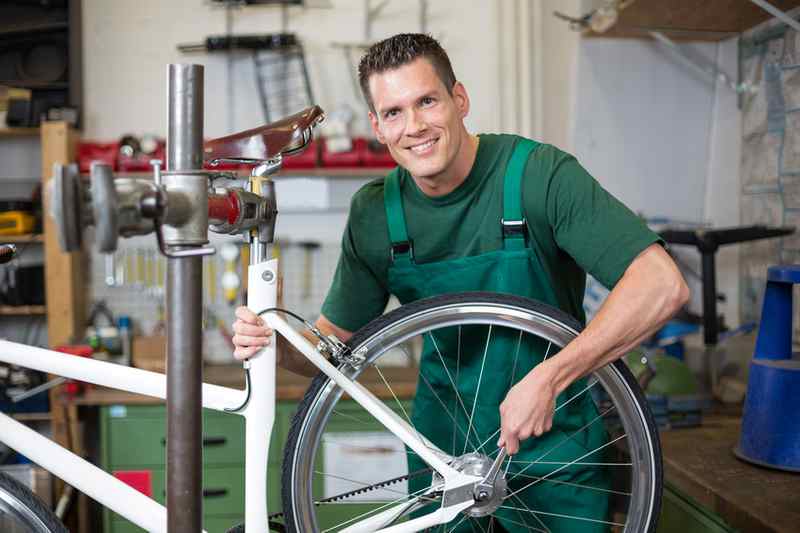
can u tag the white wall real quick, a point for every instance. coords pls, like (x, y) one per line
(664, 139)
(128, 45)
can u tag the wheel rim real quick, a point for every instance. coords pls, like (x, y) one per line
(16, 517)
(642, 479)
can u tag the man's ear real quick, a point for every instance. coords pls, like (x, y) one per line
(373, 121)
(461, 98)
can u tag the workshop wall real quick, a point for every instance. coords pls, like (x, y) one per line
(770, 161)
(127, 46)
(664, 139)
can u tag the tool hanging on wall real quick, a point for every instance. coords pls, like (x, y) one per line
(279, 65)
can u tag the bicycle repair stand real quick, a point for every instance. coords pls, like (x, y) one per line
(179, 207)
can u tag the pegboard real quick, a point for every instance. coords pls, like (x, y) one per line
(136, 288)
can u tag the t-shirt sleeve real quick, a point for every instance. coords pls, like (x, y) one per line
(356, 295)
(598, 231)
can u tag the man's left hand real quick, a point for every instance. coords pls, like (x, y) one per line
(527, 409)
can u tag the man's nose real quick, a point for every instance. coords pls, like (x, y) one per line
(415, 123)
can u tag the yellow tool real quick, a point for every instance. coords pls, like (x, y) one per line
(16, 223)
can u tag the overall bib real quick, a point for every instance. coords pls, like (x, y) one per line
(444, 416)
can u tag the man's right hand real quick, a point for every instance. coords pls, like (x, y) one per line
(250, 334)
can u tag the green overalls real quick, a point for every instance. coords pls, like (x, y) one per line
(443, 417)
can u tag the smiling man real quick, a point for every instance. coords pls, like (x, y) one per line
(442, 211)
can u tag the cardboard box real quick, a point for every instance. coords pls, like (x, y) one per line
(150, 353)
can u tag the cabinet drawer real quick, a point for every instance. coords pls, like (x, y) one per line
(137, 438)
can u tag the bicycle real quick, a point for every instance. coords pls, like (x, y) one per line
(470, 484)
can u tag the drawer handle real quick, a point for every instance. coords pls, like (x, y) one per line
(207, 441)
(207, 493)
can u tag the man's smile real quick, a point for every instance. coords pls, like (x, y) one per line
(423, 147)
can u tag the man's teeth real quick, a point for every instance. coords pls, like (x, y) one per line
(423, 147)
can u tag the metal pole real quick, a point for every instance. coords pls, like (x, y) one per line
(184, 308)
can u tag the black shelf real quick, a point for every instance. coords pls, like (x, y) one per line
(55, 85)
(26, 29)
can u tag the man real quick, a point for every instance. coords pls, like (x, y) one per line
(443, 209)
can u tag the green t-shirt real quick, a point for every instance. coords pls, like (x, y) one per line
(577, 225)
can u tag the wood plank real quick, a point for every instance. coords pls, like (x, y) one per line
(19, 132)
(64, 284)
(22, 310)
(710, 20)
(21, 238)
(700, 463)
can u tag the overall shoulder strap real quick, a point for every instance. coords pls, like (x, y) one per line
(514, 225)
(401, 247)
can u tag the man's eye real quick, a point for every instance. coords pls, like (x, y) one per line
(390, 114)
(427, 101)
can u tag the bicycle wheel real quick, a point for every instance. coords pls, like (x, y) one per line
(22, 512)
(620, 474)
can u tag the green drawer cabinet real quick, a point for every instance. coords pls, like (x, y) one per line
(132, 437)
(681, 514)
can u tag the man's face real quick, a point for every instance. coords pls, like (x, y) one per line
(417, 118)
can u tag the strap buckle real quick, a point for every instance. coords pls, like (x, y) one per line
(514, 228)
(402, 248)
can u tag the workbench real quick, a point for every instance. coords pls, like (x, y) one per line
(700, 468)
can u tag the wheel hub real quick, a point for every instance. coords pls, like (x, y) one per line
(488, 495)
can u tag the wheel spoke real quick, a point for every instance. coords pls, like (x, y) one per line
(569, 437)
(525, 526)
(452, 383)
(570, 463)
(458, 524)
(563, 467)
(572, 517)
(397, 400)
(424, 379)
(377, 510)
(557, 409)
(547, 352)
(578, 485)
(458, 370)
(478, 388)
(519, 501)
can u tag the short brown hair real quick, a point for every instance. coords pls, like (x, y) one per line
(399, 50)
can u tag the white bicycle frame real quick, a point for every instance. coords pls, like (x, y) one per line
(259, 415)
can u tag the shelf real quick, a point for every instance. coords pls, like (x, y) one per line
(32, 417)
(711, 20)
(9, 239)
(36, 84)
(26, 29)
(335, 172)
(22, 310)
(19, 132)
(317, 172)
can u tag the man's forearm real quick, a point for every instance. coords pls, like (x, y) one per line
(650, 292)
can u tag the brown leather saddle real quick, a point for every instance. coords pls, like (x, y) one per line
(284, 137)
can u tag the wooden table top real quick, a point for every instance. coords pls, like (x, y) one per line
(700, 463)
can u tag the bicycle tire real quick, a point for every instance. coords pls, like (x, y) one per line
(21, 511)
(308, 424)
